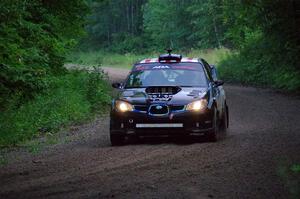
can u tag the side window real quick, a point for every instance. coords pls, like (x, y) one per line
(207, 69)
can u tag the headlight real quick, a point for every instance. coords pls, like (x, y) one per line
(197, 105)
(123, 106)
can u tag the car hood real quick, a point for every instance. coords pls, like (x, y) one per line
(184, 96)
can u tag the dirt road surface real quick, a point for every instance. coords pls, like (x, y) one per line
(254, 160)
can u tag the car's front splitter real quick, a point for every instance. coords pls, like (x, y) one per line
(185, 122)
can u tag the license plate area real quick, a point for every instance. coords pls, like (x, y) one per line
(160, 125)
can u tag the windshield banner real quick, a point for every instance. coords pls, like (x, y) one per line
(183, 66)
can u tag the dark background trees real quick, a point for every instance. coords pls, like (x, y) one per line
(263, 34)
(147, 25)
(266, 33)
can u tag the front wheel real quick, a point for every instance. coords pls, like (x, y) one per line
(214, 134)
(225, 120)
(116, 140)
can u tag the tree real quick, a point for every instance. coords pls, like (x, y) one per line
(34, 37)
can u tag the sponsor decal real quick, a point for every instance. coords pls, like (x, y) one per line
(185, 67)
(140, 68)
(157, 67)
(160, 67)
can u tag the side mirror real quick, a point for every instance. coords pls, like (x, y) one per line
(218, 83)
(116, 85)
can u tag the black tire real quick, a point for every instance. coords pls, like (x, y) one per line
(227, 112)
(214, 134)
(117, 140)
(224, 121)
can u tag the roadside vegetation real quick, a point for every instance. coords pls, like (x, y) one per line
(37, 94)
(70, 98)
(108, 59)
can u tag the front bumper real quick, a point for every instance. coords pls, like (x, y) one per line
(184, 122)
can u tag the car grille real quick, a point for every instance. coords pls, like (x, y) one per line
(158, 110)
(144, 108)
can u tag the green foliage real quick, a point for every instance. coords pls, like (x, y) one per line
(162, 24)
(206, 24)
(106, 59)
(126, 61)
(115, 25)
(36, 92)
(290, 176)
(70, 98)
(212, 56)
(153, 25)
(34, 38)
(265, 34)
(3, 160)
(255, 65)
(295, 168)
(97, 90)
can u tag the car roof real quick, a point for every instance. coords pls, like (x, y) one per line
(156, 60)
(154, 64)
(169, 61)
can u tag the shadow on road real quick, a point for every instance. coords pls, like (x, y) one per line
(178, 140)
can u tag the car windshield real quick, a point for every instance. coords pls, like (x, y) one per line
(167, 77)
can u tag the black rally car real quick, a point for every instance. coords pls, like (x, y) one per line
(169, 95)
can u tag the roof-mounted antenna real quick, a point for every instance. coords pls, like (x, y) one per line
(170, 58)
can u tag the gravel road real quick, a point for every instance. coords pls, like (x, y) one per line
(254, 160)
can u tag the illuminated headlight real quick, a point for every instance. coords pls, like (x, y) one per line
(123, 106)
(197, 105)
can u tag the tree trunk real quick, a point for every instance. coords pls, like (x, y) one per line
(127, 14)
(132, 18)
(216, 32)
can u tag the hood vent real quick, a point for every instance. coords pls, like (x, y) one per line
(169, 90)
(162, 93)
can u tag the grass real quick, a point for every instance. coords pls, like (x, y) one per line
(36, 145)
(213, 56)
(290, 175)
(70, 98)
(3, 160)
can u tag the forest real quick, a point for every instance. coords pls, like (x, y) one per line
(263, 35)
(38, 95)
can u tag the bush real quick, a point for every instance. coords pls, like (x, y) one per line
(69, 99)
(256, 64)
